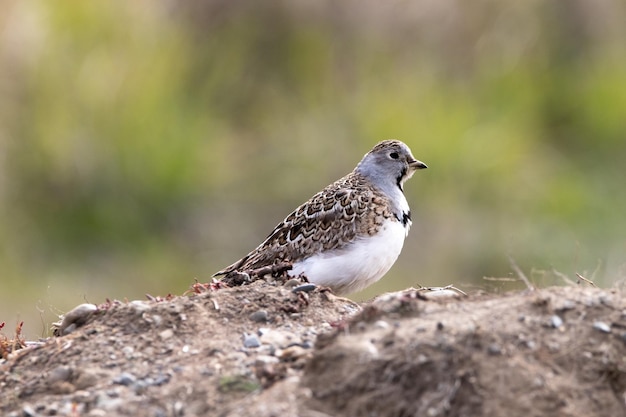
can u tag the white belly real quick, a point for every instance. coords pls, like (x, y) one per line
(355, 267)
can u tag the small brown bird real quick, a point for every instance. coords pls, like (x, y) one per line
(347, 236)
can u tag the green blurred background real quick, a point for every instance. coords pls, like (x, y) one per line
(147, 143)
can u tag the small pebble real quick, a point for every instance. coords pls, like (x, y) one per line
(293, 282)
(291, 353)
(112, 393)
(155, 319)
(141, 385)
(265, 349)
(259, 316)
(106, 403)
(439, 292)
(28, 411)
(567, 305)
(140, 305)
(82, 396)
(161, 379)
(278, 338)
(306, 344)
(128, 351)
(381, 324)
(305, 288)
(166, 334)
(125, 379)
(538, 382)
(251, 341)
(60, 373)
(494, 349)
(265, 359)
(556, 321)
(603, 327)
(179, 408)
(422, 359)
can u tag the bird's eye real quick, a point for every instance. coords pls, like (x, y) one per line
(394, 155)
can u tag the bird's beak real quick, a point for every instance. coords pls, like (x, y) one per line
(415, 164)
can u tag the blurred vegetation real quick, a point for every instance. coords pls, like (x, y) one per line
(145, 144)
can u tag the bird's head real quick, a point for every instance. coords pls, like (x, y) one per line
(389, 160)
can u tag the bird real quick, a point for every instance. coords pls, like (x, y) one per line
(347, 236)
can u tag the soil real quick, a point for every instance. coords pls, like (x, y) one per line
(264, 350)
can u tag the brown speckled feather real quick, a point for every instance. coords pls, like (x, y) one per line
(347, 209)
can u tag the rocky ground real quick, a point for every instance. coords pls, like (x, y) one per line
(265, 350)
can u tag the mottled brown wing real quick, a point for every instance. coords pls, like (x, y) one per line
(331, 219)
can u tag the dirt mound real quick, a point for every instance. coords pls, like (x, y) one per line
(551, 352)
(266, 350)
